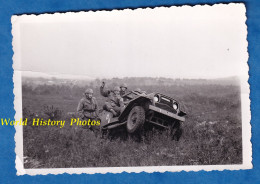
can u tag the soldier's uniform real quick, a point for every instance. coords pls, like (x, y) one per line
(122, 93)
(114, 103)
(88, 108)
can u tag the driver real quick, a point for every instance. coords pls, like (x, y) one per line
(123, 89)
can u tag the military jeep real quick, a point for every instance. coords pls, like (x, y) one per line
(146, 110)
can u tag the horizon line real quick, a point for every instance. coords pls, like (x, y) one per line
(36, 74)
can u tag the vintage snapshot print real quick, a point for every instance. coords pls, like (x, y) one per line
(153, 90)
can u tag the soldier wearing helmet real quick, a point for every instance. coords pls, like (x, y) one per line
(106, 92)
(115, 102)
(87, 107)
(123, 89)
(116, 90)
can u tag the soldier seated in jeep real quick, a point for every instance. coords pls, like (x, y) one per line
(144, 112)
(106, 92)
(114, 103)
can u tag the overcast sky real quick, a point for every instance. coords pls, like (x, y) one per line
(182, 42)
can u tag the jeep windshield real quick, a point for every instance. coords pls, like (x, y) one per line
(131, 95)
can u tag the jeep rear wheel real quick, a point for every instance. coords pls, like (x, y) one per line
(135, 120)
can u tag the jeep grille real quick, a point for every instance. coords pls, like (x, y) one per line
(166, 107)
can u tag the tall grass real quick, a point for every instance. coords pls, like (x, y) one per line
(212, 134)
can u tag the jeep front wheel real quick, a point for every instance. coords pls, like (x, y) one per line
(135, 120)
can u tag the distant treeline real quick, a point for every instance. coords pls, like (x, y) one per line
(131, 81)
(178, 91)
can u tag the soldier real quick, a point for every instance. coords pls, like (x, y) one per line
(106, 92)
(88, 108)
(115, 102)
(123, 89)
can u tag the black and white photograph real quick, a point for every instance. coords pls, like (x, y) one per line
(148, 89)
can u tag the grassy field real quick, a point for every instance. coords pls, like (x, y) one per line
(212, 132)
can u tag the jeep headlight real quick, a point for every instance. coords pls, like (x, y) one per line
(175, 106)
(156, 98)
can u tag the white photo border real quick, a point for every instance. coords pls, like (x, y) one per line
(17, 79)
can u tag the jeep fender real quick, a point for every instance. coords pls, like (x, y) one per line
(141, 101)
(105, 118)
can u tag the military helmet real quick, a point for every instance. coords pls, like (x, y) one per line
(124, 85)
(116, 88)
(88, 91)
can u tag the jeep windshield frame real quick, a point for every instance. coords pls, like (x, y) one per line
(131, 95)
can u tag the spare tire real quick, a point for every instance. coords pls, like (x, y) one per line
(135, 120)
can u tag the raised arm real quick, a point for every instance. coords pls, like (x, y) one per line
(103, 91)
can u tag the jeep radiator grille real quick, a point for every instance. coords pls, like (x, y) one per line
(165, 107)
(166, 101)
